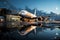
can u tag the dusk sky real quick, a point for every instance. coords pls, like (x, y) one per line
(46, 5)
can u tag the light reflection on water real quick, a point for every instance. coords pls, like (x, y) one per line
(42, 34)
(45, 34)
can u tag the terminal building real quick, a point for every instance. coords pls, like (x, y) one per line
(8, 18)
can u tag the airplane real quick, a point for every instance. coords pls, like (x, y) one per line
(28, 15)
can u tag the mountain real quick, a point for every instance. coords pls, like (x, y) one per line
(42, 13)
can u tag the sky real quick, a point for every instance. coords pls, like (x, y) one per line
(46, 5)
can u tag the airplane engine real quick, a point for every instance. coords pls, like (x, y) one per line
(40, 18)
